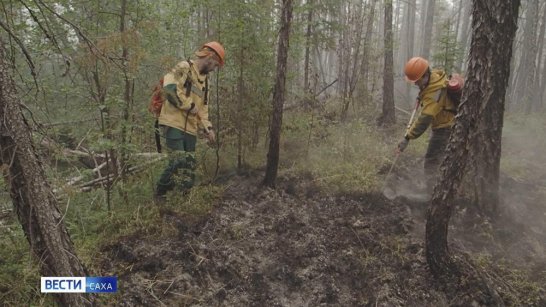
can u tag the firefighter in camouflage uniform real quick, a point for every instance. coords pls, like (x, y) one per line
(184, 112)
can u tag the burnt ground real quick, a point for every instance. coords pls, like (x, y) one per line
(293, 246)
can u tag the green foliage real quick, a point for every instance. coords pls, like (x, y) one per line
(19, 273)
(81, 100)
(517, 289)
(198, 202)
(341, 158)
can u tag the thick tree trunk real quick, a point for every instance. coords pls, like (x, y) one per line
(32, 197)
(486, 154)
(387, 116)
(278, 96)
(494, 26)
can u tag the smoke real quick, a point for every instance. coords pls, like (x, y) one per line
(519, 233)
(523, 185)
(407, 182)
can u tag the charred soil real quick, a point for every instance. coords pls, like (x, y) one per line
(291, 246)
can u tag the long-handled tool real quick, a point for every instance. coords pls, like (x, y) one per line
(417, 100)
(390, 193)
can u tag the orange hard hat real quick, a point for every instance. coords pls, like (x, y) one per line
(415, 68)
(218, 49)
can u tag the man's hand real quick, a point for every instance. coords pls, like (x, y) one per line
(211, 136)
(402, 145)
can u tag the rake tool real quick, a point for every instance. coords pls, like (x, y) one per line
(391, 193)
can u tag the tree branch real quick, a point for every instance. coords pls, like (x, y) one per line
(48, 35)
(22, 46)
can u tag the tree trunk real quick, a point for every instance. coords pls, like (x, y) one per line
(397, 19)
(494, 24)
(427, 34)
(343, 51)
(387, 116)
(366, 47)
(278, 96)
(407, 33)
(539, 74)
(359, 25)
(127, 97)
(308, 33)
(353, 43)
(521, 92)
(542, 85)
(32, 197)
(463, 34)
(459, 17)
(240, 121)
(407, 41)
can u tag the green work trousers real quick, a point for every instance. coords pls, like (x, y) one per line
(180, 170)
(435, 155)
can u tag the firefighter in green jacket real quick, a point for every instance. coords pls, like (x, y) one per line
(184, 112)
(437, 111)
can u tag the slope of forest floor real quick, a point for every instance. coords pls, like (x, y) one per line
(293, 246)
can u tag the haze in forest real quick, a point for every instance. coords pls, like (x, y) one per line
(301, 197)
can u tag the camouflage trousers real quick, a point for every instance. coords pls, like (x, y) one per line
(435, 156)
(180, 170)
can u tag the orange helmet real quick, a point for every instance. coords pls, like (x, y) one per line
(415, 68)
(218, 49)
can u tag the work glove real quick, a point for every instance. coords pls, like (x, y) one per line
(402, 145)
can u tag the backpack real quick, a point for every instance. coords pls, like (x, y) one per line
(455, 83)
(159, 95)
(156, 103)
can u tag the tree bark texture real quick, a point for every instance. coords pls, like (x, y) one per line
(278, 96)
(32, 196)
(494, 24)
